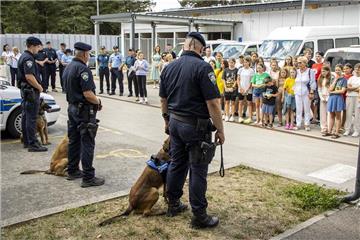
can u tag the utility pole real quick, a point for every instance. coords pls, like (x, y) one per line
(302, 12)
(97, 39)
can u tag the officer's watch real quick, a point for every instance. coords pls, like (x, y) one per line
(166, 116)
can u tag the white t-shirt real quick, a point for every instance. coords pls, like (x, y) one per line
(7, 57)
(14, 60)
(355, 82)
(245, 78)
(207, 59)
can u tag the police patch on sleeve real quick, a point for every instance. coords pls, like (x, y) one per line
(29, 64)
(85, 76)
(212, 77)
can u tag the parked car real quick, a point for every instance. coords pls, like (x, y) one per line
(291, 41)
(235, 49)
(343, 55)
(10, 108)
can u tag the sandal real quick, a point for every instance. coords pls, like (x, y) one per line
(326, 134)
(335, 136)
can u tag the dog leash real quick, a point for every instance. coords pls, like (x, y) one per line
(222, 169)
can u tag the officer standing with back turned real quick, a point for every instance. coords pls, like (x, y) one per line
(189, 98)
(82, 124)
(30, 87)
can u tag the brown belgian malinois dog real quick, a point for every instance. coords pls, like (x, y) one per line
(59, 160)
(145, 192)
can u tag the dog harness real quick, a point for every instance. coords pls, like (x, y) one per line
(159, 166)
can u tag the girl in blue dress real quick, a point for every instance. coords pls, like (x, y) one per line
(336, 102)
(155, 67)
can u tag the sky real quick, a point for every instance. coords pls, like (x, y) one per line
(165, 4)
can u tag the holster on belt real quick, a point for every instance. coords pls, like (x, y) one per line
(88, 111)
(27, 92)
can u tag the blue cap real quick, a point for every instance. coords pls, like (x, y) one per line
(33, 41)
(82, 46)
(68, 50)
(198, 37)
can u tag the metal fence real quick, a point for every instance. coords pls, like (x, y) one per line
(108, 41)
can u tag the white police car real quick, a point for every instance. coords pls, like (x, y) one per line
(10, 108)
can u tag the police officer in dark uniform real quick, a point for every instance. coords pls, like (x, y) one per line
(30, 86)
(50, 66)
(130, 61)
(189, 98)
(82, 124)
(103, 62)
(41, 59)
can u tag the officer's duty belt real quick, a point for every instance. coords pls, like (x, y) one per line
(184, 119)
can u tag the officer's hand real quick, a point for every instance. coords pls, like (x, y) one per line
(219, 137)
(99, 105)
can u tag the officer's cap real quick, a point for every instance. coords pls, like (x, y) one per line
(48, 42)
(33, 41)
(115, 47)
(198, 37)
(82, 46)
(68, 50)
(103, 47)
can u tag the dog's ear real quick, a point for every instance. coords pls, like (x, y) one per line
(166, 145)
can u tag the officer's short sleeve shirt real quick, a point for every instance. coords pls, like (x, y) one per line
(86, 80)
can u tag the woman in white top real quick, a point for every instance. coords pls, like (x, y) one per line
(15, 55)
(304, 88)
(6, 58)
(352, 103)
(323, 89)
(245, 75)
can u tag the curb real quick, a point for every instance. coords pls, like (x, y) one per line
(308, 223)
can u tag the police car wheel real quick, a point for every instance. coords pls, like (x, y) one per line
(14, 123)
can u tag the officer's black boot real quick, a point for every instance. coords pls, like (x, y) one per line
(101, 92)
(204, 221)
(75, 175)
(93, 182)
(176, 208)
(37, 148)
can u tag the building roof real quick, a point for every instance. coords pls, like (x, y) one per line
(252, 7)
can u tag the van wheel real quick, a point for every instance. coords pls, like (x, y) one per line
(14, 123)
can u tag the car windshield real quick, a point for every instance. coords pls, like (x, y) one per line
(279, 49)
(341, 58)
(229, 50)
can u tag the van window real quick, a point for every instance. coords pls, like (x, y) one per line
(346, 42)
(342, 58)
(250, 49)
(308, 45)
(325, 44)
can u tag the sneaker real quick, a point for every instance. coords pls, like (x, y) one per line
(307, 128)
(94, 182)
(355, 134)
(296, 128)
(226, 118)
(112, 93)
(101, 92)
(287, 126)
(130, 95)
(270, 126)
(176, 208)
(121, 94)
(37, 148)
(291, 127)
(54, 90)
(146, 101)
(204, 221)
(346, 133)
(231, 118)
(241, 120)
(279, 124)
(223, 117)
(137, 99)
(247, 121)
(76, 175)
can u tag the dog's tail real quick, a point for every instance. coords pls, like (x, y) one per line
(33, 172)
(113, 219)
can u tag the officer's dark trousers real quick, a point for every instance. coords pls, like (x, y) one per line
(13, 72)
(42, 72)
(182, 137)
(116, 74)
(81, 146)
(141, 80)
(50, 73)
(29, 114)
(104, 72)
(133, 80)
(61, 71)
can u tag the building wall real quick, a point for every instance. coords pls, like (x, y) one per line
(257, 25)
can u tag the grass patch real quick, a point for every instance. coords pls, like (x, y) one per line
(251, 205)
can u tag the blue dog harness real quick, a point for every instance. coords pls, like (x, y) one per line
(159, 166)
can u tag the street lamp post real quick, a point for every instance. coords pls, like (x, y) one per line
(302, 12)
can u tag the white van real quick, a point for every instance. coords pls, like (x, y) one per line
(235, 49)
(343, 55)
(291, 41)
(212, 44)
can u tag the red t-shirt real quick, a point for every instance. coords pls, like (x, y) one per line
(317, 68)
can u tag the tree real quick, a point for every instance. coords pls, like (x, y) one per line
(209, 3)
(63, 16)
